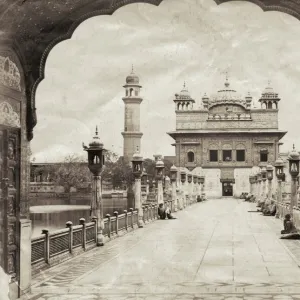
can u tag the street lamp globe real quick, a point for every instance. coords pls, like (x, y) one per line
(190, 177)
(183, 176)
(279, 164)
(269, 172)
(263, 174)
(95, 152)
(294, 159)
(173, 173)
(137, 164)
(159, 167)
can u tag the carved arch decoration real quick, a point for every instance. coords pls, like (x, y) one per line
(56, 21)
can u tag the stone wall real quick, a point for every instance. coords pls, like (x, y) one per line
(213, 186)
(242, 183)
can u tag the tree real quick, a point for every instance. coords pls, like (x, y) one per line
(72, 172)
(117, 171)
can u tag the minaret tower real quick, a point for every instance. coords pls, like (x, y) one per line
(131, 134)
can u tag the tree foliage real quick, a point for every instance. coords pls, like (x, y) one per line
(72, 172)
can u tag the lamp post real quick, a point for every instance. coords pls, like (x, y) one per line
(270, 178)
(95, 152)
(252, 182)
(202, 180)
(159, 166)
(258, 186)
(190, 187)
(173, 174)
(137, 166)
(183, 181)
(279, 164)
(195, 188)
(293, 159)
(264, 181)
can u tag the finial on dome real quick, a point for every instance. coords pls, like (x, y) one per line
(293, 146)
(96, 132)
(184, 84)
(269, 82)
(137, 149)
(132, 69)
(226, 82)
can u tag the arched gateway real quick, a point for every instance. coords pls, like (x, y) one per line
(29, 30)
(228, 137)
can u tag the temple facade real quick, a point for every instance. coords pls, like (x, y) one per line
(226, 138)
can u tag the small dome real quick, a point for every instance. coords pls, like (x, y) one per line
(279, 162)
(160, 164)
(96, 143)
(294, 154)
(263, 170)
(137, 157)
(184, 93)
(132, 78)
(269, 168)
(173, 169)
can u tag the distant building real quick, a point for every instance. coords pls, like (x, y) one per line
(227, 138)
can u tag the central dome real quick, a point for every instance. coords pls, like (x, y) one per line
(227, 95)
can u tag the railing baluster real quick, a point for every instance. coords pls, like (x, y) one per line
(131, 210)
(47, 245)
(69, 225)
(126, 219)
(95, 220)
(108, 225)
(82, 222)
(117, 221)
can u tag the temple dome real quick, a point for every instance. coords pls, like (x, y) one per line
(132, 79)
(227, 95)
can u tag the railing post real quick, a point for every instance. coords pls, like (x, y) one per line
(117, 221)
(69, 225)
(126, 219)
(131, 210)
(82, 222)
(95, 220)
(108, 224)
(147, 213)
(47, 245)
(144, 214)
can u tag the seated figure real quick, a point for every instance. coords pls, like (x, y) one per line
(168, 213)
(270, 209)
(289, 231)
(161, 211)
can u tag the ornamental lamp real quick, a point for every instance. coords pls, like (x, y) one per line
(190, 177)
(183, 176)
(294, 159)
(258, 176)
(144, 177)
(201, 179)
(263, 174)
(252, 179)
(137, 164)
(270, 172)
(279, 164)
(173, 173)
(159, 167)
(96, 153)
(195, 177)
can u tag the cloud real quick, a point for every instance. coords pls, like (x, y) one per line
(191, 40)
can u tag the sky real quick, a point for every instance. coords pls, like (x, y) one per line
(194, 41)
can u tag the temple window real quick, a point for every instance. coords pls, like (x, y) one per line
(227, 155)
(213, 155)
(191, 156)
(240, 155)
(270, 105)
(263, 156)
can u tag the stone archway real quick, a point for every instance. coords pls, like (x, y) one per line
(29, 31)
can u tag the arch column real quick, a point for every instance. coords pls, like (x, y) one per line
(15, 224)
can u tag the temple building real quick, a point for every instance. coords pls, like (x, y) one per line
(132, 100)
(226, 138)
